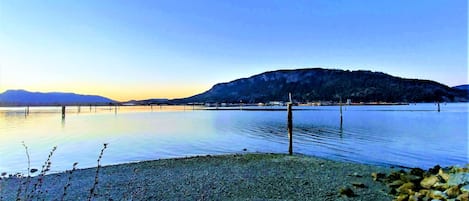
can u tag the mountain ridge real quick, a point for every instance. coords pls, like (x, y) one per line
(20, 97)
(318, 84)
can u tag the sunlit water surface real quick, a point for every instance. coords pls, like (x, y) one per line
(409, 135)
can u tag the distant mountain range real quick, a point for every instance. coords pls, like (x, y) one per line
(306, 85)
(316, 84)
(22, 97)
(464, 87)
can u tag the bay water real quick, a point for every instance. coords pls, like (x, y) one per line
(414, 135)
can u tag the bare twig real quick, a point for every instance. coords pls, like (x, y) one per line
(93, 189)
(69, 180)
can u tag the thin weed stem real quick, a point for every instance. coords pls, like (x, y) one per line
(40, 180)
(28, 179)
(95, 184)
(69, 180)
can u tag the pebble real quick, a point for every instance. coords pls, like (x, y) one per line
(377, 176)
(347, 192)
(438, 195)
(463, 197)
(429, 182)
(458, 178)
(359, 185)
(406, 188)
(465, 188)
(452, 192)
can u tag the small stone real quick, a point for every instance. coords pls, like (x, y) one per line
(440, 186)
(394, 176)
(377, 176)
(428, 182)
(460, 178)
(245, 149)
(452, 192)
(438, 195)
(417, 172)
(347, 192)
(443, 175)
(463, 197)
(406, 188)
(355, 174)
(424, 192)
(396, 184)
(435, 169)
(402, 197)
(410, 178)
(413, 198)
(359, 185)
(33, 170)
(465, 188)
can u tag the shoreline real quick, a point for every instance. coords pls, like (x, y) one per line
(251, 176)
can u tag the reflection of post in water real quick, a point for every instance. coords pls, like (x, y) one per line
(63, 112)
(63, 122)
(341, 130)
(90, 107)
(438, 106)
(26, 111)
(79, 109)
(341, 117)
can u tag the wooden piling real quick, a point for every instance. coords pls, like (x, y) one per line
(63, 112)
(438, 106)
(290, 128)
(27, 110)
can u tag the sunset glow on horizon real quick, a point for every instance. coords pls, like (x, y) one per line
(128, 50)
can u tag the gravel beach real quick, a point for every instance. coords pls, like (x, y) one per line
(224, 177)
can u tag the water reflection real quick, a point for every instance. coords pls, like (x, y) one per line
(370, 134)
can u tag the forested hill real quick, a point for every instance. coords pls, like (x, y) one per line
(317, 84)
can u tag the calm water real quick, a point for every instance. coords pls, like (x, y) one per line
(411, 135)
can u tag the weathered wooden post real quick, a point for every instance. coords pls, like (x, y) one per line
(27, 110)
(63, 112)
(438, 106)
(290, 128)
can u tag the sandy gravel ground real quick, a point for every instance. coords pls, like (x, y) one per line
(226, 177)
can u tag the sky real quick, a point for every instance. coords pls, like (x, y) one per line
(172, 49)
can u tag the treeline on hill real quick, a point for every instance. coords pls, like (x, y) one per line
(318, 84)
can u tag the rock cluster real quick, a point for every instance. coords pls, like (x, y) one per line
(446, 184)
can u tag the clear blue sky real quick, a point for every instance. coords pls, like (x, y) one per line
(149, 49)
